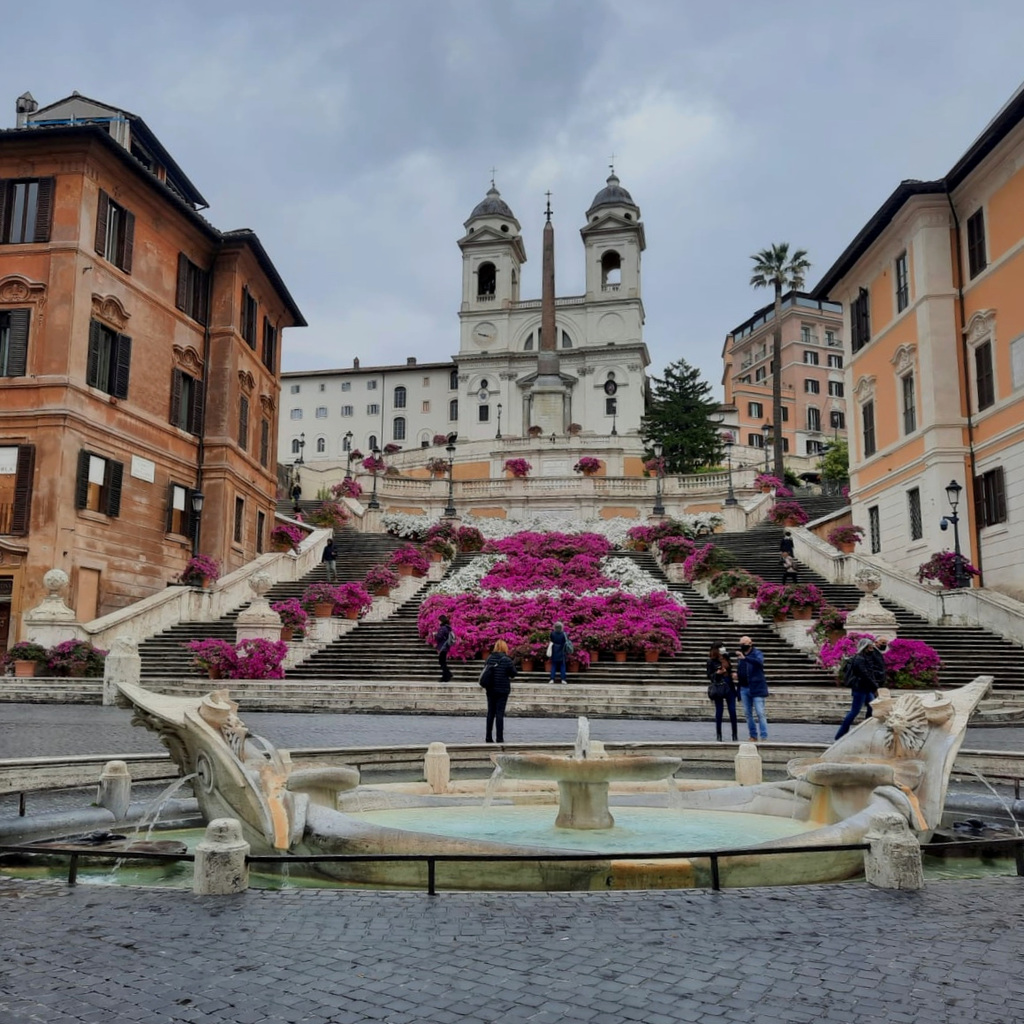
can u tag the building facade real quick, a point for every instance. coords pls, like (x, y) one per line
(934, 317)
(139, 362)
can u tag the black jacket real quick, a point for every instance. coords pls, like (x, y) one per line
(499, 671)
(442, 638)
(712, 672)
(330, 552)
(860, 674)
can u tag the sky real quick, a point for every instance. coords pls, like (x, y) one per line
(356, 136)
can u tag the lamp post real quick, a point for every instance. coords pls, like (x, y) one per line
(375, 452)
(449, 510)
(197, 514)
(953, 490)
(348, 450)
(659, 508)
(768, 439)
(615, 433)
(497, 436)
(302, 445)
(728, 440)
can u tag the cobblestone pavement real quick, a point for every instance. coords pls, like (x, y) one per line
(947, 955)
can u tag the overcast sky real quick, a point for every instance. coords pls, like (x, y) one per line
(355, 136)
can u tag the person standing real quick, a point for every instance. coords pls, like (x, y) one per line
(330, 559)
(753, 687)
(560, 647)
(861, 676)
(789, 571)
(721, 688)
(444, 638)
(296, 492)
(496, 679)
(786, 545)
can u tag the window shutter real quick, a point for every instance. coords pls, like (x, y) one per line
(127, 243)
(169, 517)
(190, 517)
(92, 365)
(198, 390)
(979, 501)
(264, 441)
(175, 416)
(82, 480)
(245, 308)
(243, 424)
(5, 191)
(44, 210)
(122, 370)
(17, 356)
(115, 474)
(102, 211)
(999, 496)
(22, 513)
(181, 293)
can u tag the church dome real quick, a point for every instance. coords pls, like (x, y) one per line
(613, 194)
(492, 205)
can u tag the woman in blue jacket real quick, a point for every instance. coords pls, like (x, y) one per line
(559, 641)
(753, 687)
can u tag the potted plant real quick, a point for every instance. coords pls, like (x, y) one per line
(440, 549)
(767, 482)
(216, 657)
(25, 656)
(352, 600)
(804, 599)
(391, 448)
(259, 659)
(437, 466)
(347, 489)
(286, 537)
(831, 624)
(704, 562)
(639, 538)
(373, 464)
(409, 561)
(941, 568)
(320, 598)
(734, 582)
(845, 537)
(587, 465)
(787, 513)
(440, 440)
(675, 549)
(75, 658)
(911, 664)
(469, 538)
(330, 515)
(293, 617)
(771, 601)
(535, 431)
(519, 468)
(574, 429)
(380, 580)
(200, 571)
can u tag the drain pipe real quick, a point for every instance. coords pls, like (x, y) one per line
(965, 356)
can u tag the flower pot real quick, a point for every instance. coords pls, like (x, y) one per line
(280, 545)
(213, 673)
(436, 556)
(741, 593)
(205, 582)
(802, 613)
(593, 657)
(382, 592)
(620, 656)
(404, 570)
(527, 664)
(640, 545)
(847, 547)
(574, 665)
(418, 575)
(323, 611)
(351, 613)
(778, 618)
(835, 634)
(24, 669)
(547, 666)
(589, 472)
(651, 656)
(791, 522)
(287, 633)
(765, 489)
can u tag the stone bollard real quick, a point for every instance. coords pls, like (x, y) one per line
(437, 767)
(748, 765)
(122, 665)
(115, 789)
(894, 860)
(220, 868)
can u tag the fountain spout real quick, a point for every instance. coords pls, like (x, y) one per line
(582, 747)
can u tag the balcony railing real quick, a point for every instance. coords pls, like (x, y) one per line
(485, 298)
(609, 287)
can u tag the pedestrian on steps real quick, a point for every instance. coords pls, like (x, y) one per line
(753, 687)
(444, 639)
(786, 545)
(496, 679)
(722, 687)
(861, 676)
(330, 560)
(789, 571)
(559, 649)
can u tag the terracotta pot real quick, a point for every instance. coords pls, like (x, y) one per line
(280, 545)
(206, 582)
(418, 575)
(574, 665)
(847, 547)
(589, 472)
(651, 656)
(778, 618)
(24, 669)
(323, 611)
(765, 489)
(352, 613)
(802, 613)
(741, 593)
(436, 556)
(620, 656)
(438, 474)
(792, 522)
(382, 592)
(640, 545)
(287, 633)
(547, 666)
(835, 634)
(593, 657)
(527, 664)
(405, 570)
(213, 673)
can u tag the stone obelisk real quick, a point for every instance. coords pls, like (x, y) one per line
(548, 395)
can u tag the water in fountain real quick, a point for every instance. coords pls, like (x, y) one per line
(1006, 807)
(151, 814)
(582, 748)
(491, 791)
(675, 798)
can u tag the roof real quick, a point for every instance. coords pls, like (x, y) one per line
(1005, 120)
(492, 205)
(347, 370)
(248, 237)
(790, 300)
(613, 194)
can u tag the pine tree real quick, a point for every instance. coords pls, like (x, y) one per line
(678, 415)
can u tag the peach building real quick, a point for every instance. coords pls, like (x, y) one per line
(934, 317)
(139, 365)
(813, 378)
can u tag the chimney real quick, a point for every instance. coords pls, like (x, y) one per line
(23, 106)
(355, 363)
(410, 361)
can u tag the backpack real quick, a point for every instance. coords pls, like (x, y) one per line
(452, 640)
(568, 646)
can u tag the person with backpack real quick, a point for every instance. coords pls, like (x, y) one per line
(496, 679)
(559, 649)
(444, 641)
(721, 688)
(330, 560)
(861, 676)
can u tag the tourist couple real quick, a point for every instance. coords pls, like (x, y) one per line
(748, 677)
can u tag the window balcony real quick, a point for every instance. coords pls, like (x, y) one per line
(485, 298)
(610, 287)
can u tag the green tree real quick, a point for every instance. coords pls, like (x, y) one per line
(835, 461)
(776, 267)
(678, 416)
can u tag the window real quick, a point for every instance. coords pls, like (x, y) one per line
(759, 374)
(984, 376)
(296, 414)
(186, 402)
(321, 412)
(860, 321)
(831, 340)
(346, 443)
(98, 485)
(346, 385)
(26, 210)
(400, 396)
(814, 420)
(977, 260)
(398, 429)
(15, 517)
(902, 283)
(295, 389)
(371, 385)
(755, 410)
(990, 497)
(811, 387)
(348, 410)
(485, 384)
(179, 511)
(484, 413)
(785, 414)
(815, 447)
(296, 447)
(486, 280)
(909, 405)
(867, 417)
(836, 388)
(425, 406)
(115, 233)
(109, 361)
(239, 516)
(321, 446)
(453, 380)
(806, 337)
(611, 406)
(270, 347)
(566, 340)
(874, 529)
(453, 410)
(835, 362)
(785, 444)
(261, 526)
(755, 441)
(837, 420)
(611, 271)
(372, 409)
(528, 344)
(193, 290)
(14, 324)
(249, 316)
(243, 423)
(811, 358)
(264, 442)
(322, 388)
(372, 443)
(914, 513)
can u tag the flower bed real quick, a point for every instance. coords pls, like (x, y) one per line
(909, 664)
(551, 545)
(75, 658)
(285, 535)
(249, 659)
(789, 513)
(469, 538)
(941, 568)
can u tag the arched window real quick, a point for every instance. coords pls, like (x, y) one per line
(295, 446)
(486, 279)
(611, 270)
(566, 340)
(371, 442)
(398, 428)
(485, 384)
(321, 445)
(346, 443)
(453, 380)
(453, 410)
(400, 397)
(425, 438)
(528, 344)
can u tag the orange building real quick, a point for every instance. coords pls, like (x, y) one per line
(813, 378)
(932, 288)
(139, 365)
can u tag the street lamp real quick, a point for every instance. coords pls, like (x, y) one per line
(375, 452)
(953, 490)
(768, 438)
(615, 413)
(302, 445)
(728, 440)
(497, 436)
(449, 511)
(348, 449)
(659, 508)
(197, 514)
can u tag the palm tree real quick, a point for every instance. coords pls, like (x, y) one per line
(775, 266)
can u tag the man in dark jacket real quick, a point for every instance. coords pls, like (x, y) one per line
(496, 679)
(444, 638)
(861, 677)
(753, 686)
(330, 560)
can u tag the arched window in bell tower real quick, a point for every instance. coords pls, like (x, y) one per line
(486, 280)
(528, 344)
(611, 271)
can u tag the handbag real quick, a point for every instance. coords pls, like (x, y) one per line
(719, 689)
(485, 675)
(551, 647)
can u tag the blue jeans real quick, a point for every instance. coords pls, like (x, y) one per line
(754, 706)
(556, 664)
(860, 700)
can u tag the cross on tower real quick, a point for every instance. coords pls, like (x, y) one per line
(547, 211)
(611, 166)
(494, 171)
